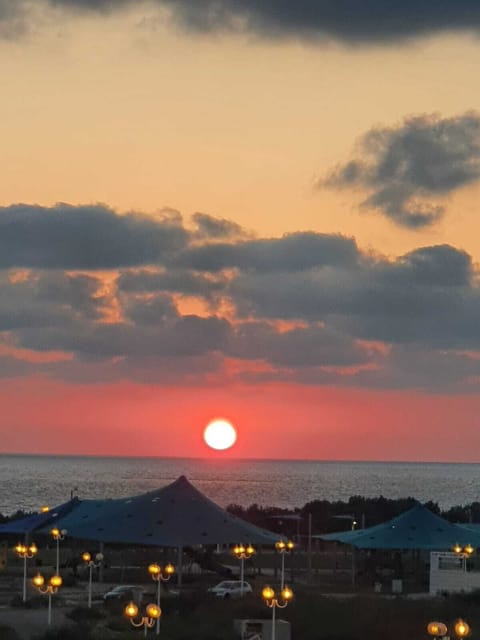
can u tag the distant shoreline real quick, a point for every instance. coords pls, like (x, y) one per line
(225, 460)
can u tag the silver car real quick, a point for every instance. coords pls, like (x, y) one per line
(230, 589)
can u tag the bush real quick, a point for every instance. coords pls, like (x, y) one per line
(78, 632)
(84, 614)
(17, 601)
(7, 633)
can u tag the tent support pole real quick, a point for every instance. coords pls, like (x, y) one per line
(309, 550)
(180, 567)
(100, 568)
(353, 567)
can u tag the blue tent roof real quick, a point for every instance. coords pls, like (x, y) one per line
(417, 528)
(26, 525)
(175, 515)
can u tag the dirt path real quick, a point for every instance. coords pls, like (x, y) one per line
(32, 622)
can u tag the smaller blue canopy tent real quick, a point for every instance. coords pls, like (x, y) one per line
(24, 526)
(417, 528)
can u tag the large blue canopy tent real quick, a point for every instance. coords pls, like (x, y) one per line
(177, 515)
(33, 522)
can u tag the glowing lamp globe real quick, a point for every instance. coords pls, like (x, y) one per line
(56, 581)
(268, 594)
(38, 580)
(437, 629)
(169, 569)
(86, 557)
(20, 548)
(154, 569)
(287, 594)
(153, 611)
(462, 629)
(131, 610)
(280, 546)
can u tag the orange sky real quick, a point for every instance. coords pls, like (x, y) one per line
(125, 334)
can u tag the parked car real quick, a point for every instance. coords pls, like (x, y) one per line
(122, 594)
(230, 589)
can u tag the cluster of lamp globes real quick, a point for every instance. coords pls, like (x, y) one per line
(440, 630)
(152, 610)
(467, 550)
(26, 551)
(269, 596)
(31, 550)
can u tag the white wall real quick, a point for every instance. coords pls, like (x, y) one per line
(448, 572)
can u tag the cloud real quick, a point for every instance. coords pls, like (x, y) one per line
(84, 237)
(292, 252)
(13, 18)
(181, 281)
(49, 300)
(209, 227)
(306, 308)
(299, 347)
(429, 297)
(374, 21)
(409, 169)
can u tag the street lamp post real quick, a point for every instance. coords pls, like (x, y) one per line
(52, 587)
(25, 552)
(242, 553)
(91, 564)
(57, 536)
(439, 630)
(153, 613)
(283, 547)
(270, 598)
(160, 575)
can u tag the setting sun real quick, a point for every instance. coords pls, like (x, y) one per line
(220, 435)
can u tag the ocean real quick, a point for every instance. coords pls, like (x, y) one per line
(28, 482)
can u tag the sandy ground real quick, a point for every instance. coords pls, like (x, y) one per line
(32, 622)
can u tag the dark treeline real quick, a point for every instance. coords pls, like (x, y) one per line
(338, 515)
(331, 516)
(15, 516)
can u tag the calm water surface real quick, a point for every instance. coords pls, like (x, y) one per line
(27, 482)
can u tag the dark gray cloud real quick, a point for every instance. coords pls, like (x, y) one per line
(177, 336)
(209, 227)
(300, 347)
(428, 296)
(374, 21)
(84, 237)
(49, 299)
(409, 169)
(344, 20)
(150, 311)
(13, 18)
(441, 265)
(181, 281)
(308, 308)
(292, 252)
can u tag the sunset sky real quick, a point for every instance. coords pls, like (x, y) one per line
(261, 210)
